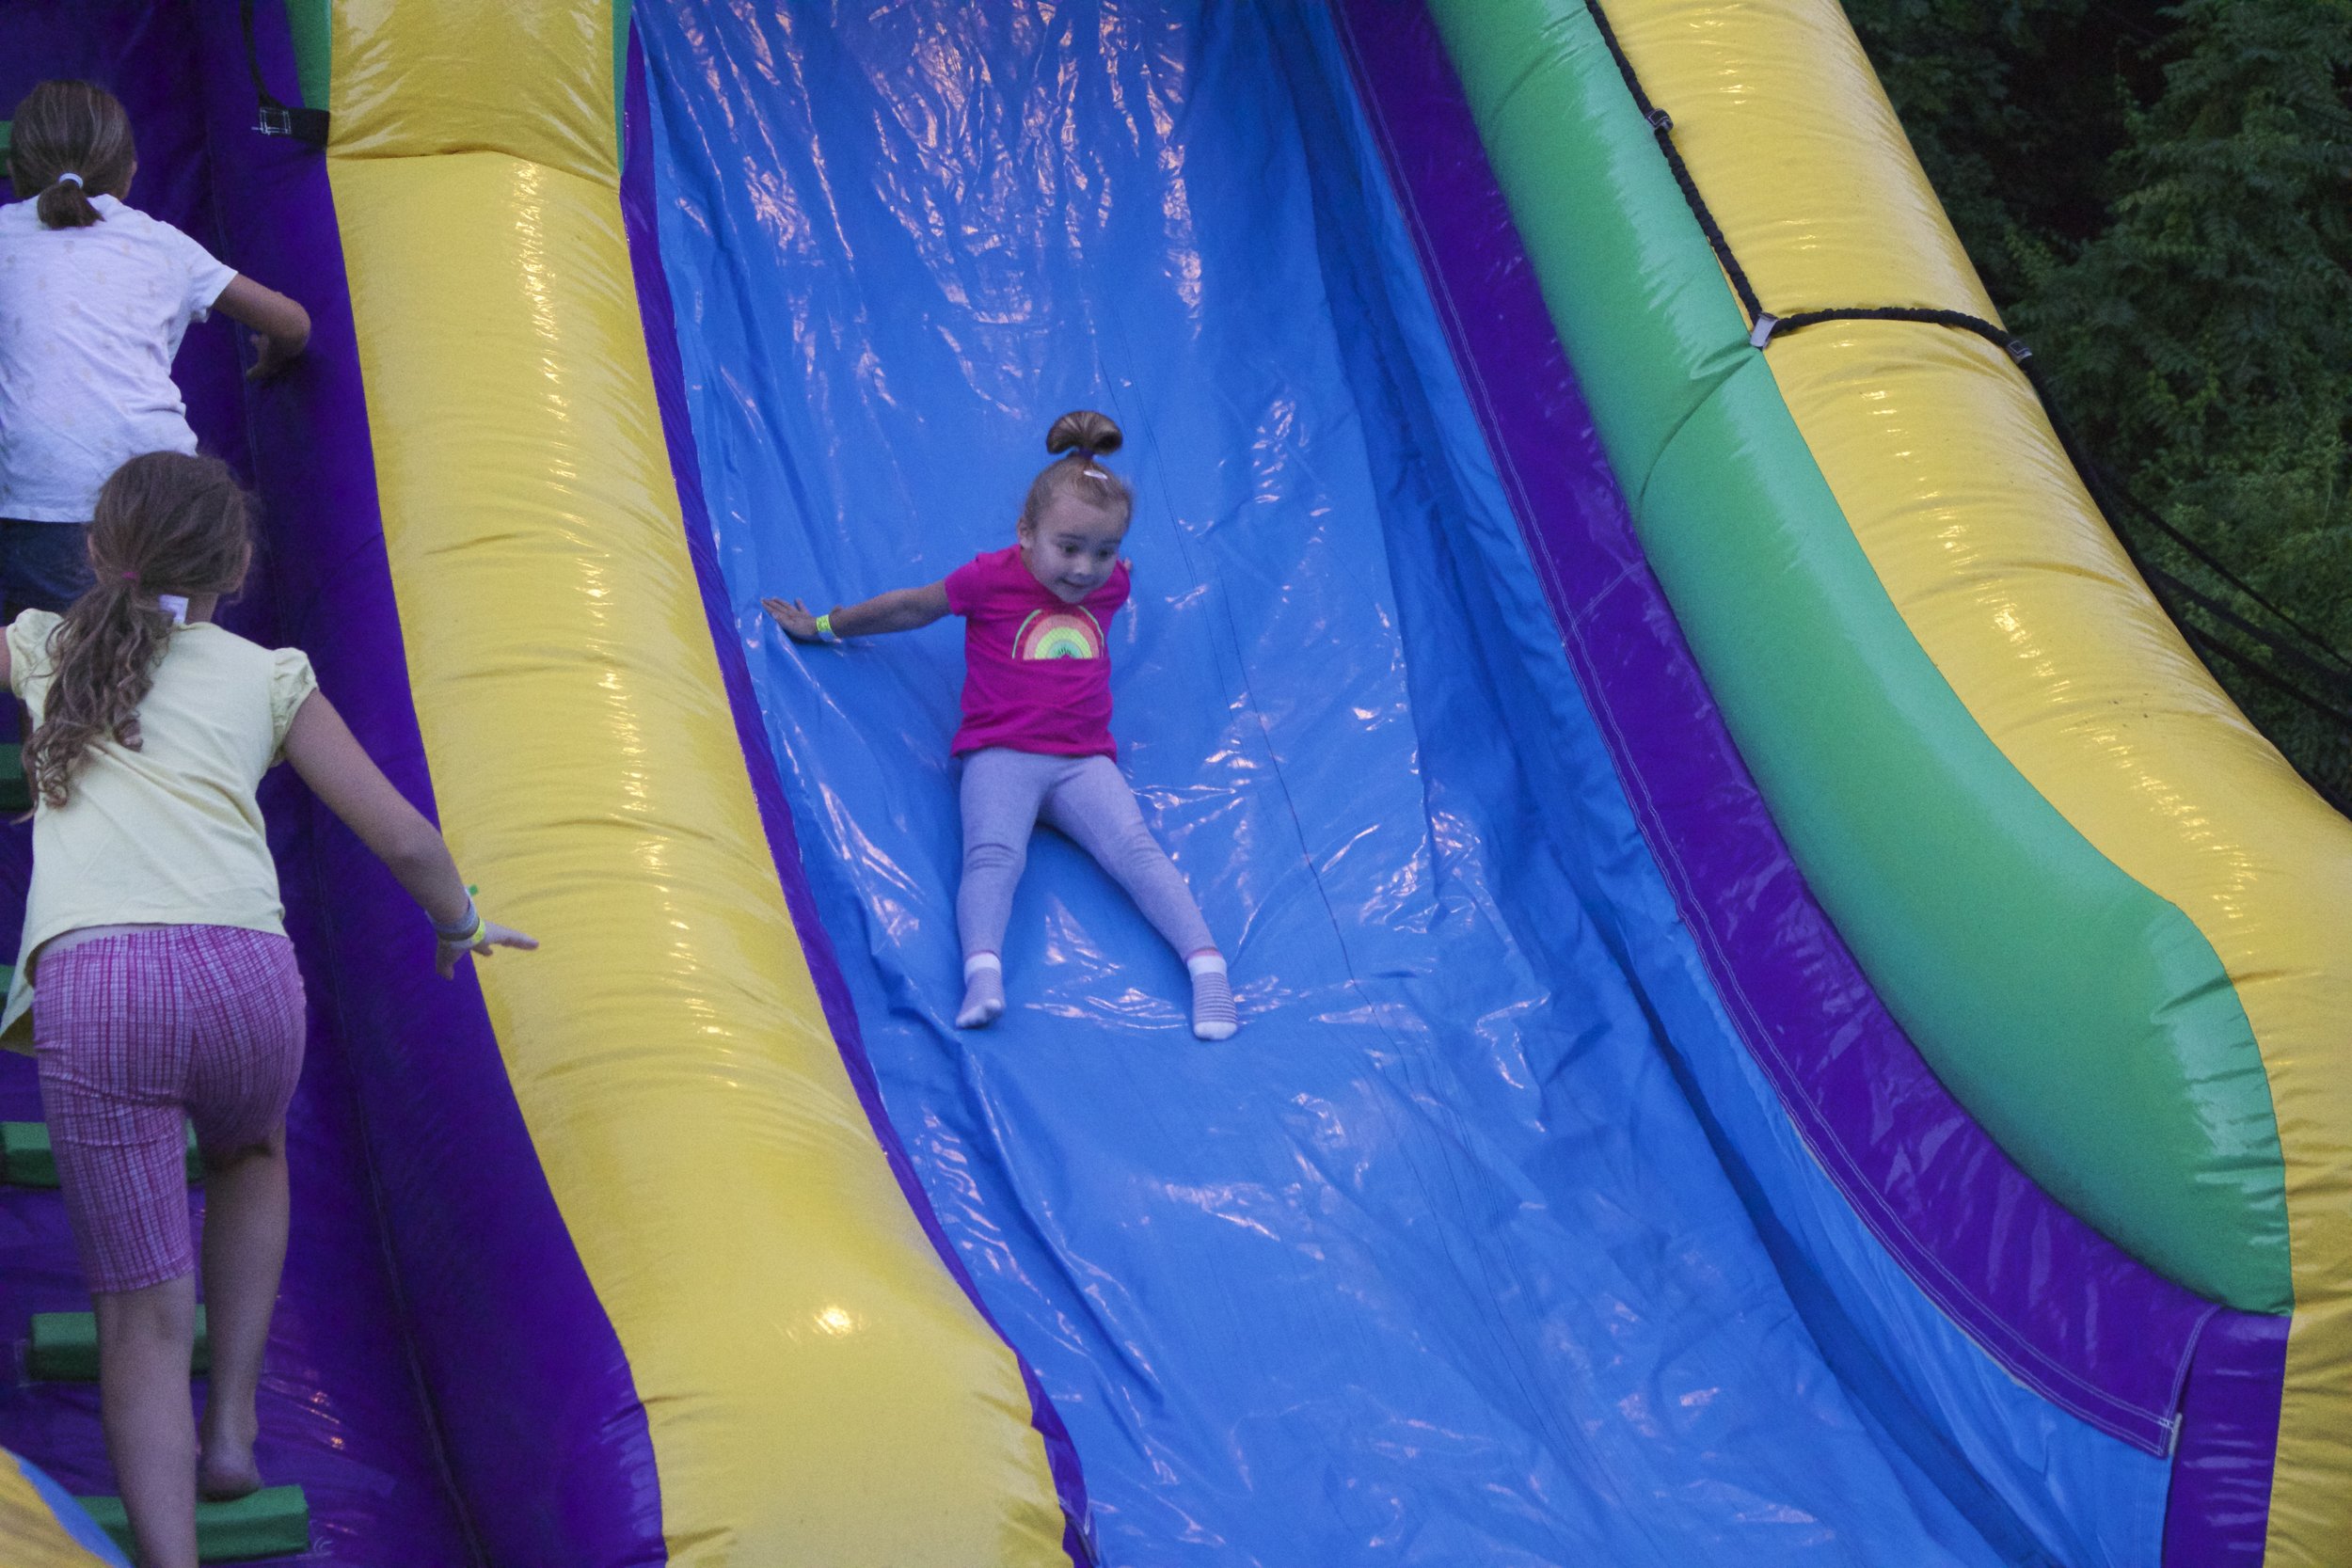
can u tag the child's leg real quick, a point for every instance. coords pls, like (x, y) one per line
(112, 1058)
(246, 1059)
(1093, 805)
(1001, 792)
(247, 1205)
(145, 1337)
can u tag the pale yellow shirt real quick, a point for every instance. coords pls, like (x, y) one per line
(168, 835)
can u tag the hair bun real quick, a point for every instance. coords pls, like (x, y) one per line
(1084, 431)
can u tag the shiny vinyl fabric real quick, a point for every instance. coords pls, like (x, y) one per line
(2061, 1309)
(1433, 1262)
(342, 1412)
(1988, 545)
(536, 1425)
(1986, 919)
(815, 1386)
(43, 1527)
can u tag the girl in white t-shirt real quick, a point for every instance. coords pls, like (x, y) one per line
(94, 297)
(161, 987)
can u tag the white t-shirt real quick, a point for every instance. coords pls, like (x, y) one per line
(90, 320)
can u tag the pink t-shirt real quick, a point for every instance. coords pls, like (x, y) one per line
(1036, 672)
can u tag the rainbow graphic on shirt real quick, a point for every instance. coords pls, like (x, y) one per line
(1058, 634)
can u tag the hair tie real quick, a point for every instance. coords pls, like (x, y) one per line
(131, 578)
(63, 177)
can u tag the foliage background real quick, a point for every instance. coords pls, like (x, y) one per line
(2160, 203)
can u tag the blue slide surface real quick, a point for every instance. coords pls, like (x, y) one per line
(1434, 1263)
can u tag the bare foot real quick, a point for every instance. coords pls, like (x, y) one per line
(224, 1469)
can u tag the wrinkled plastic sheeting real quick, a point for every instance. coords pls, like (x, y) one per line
(1432, 1262)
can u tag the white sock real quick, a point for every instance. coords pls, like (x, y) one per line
(983, 990)
(1213, 1014)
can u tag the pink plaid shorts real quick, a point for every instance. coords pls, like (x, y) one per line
(137, 1032)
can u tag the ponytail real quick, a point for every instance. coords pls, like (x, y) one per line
(1080, 435)
(1084, 432)
(64, 205)
(165, 523)
(68, 142)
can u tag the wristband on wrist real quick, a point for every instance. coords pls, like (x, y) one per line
(824, 628)
(467, 930)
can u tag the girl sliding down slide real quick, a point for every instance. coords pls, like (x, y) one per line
(1036, 739)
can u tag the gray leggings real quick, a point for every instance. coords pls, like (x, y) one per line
(1007, 792)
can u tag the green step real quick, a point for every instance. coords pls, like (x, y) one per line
(26, 1159)
(64, 1347)
(273, 1522)
(16, 796)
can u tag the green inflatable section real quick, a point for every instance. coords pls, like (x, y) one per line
(2086, 1021)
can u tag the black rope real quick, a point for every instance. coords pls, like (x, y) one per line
(2255, 669)
(2167, 583)
(1768, 327)
(2204, 558)
(1661, 124)
(2169, 590)
(2268, 676)
(2105, 494)
(277, 119)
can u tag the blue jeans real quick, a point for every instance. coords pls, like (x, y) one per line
(43, 566)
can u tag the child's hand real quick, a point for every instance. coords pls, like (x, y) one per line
(793, 616)
(493, 936)
(270, 356)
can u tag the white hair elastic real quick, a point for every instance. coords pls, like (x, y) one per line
(63, 177)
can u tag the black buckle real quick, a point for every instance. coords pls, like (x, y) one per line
(307, 126)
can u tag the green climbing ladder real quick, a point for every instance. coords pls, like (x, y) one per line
(273, 1522)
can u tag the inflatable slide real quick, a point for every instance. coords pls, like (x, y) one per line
(1786, 1020)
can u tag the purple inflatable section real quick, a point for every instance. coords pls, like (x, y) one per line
(342, 1413)
(2059, 1306)
(2218, 1513)
(653, 302)
(543, 1429)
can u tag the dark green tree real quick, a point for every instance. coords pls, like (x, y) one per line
(2161, 204)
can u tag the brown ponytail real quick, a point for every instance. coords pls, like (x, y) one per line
(70, 128)
(1086, 432)
(166, 524)
(1081, 434)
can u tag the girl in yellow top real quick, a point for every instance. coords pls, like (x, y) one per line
(156, 966)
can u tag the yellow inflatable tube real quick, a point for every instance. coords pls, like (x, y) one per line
(46, 1531)
(1985, 539)
(818, 1388)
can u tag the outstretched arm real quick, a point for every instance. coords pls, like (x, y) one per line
(346, 780)
(901, 609)
(282, 326)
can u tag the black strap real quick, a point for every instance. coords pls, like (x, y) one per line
(2096, 477)
(2108, 495)
(305, 125)
(2329, 679)
(1768, 327)
(1661, 125)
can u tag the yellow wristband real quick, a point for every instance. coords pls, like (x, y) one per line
(824, 628)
